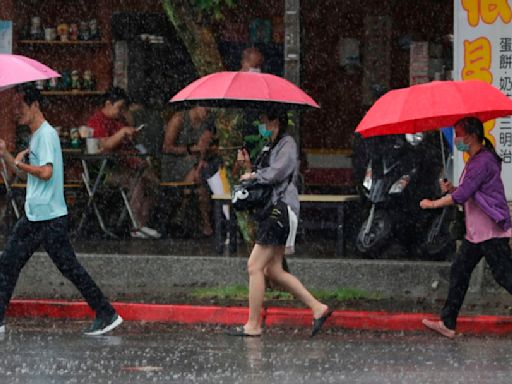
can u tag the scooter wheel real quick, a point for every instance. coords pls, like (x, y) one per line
(371, 241)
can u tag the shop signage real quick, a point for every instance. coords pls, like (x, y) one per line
(483, 50)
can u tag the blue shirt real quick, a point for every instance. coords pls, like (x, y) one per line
(45, 198)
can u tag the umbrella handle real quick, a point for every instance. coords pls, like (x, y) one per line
(443, 155)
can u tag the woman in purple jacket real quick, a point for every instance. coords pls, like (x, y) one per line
(487, 218)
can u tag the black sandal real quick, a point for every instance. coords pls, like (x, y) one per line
(317, 323)
(240, 332)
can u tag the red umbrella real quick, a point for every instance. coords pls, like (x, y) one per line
(242, 89)
(16, 69)
(433, 105)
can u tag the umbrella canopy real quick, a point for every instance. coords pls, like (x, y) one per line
(242, 89)
(432, 106)
(16, 69)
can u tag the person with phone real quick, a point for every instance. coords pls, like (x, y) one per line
(277, 166)
(46, 216)
(108, 125)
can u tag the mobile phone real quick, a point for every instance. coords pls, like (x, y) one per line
(140, 127)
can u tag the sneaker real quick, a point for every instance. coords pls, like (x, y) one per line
(439, 327)
(151, 232)
(2, 327)
(138, 234)
(103, 325)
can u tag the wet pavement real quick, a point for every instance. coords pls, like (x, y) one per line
(43, 351)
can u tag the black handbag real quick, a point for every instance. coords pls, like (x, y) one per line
(250, 194)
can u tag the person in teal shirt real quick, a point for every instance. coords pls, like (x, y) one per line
(45, 222)
(45, 198)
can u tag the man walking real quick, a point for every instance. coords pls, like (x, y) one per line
(45, 221)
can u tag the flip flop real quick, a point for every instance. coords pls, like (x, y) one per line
(240, 332)
(317, 323)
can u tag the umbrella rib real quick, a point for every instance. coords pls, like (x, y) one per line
(230, 84)
(280, 101)
(268, 87)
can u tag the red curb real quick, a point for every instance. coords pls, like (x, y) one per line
(191, 314)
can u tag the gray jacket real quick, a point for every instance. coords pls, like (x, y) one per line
(284, 163)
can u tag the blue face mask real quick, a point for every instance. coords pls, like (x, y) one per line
(461, 145)
(264, 132)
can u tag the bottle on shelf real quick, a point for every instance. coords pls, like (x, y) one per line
(36, 32)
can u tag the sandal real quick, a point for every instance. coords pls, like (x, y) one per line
(240, 331)
(317, 323)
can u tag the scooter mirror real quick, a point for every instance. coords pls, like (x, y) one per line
(414, 138)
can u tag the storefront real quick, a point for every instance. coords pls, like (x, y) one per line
(350, 52)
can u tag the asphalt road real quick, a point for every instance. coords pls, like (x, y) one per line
(43, 351)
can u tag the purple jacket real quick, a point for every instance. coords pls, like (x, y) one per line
(482, 181)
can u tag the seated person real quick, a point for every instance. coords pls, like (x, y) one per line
(147, 112)
(187, 139)
(108, 126)
(252, 61)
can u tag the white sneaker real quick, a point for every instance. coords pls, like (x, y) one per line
(151, 232)
(138, 235)
(100, 326)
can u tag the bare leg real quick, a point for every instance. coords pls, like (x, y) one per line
(292, 284)
(261, 256)
(185, 199)
(149, 185)
(136, 203)
(203, 199)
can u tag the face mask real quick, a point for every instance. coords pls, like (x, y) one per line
(461, 145)
(262, 129)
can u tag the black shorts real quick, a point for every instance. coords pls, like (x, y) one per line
(275, 228)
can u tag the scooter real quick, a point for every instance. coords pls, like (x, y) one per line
(401, 171)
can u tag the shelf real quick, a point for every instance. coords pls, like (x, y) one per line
(72, 93)
(57, 42)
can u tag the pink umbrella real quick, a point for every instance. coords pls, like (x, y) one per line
(16, 69)
(242, 89)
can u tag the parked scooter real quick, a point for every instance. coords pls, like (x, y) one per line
(401, 170)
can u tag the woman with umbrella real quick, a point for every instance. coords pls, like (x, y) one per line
(487, 217)
(278, 166)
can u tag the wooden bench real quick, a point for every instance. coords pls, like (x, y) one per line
(317, 201)
(177, 184)
(66, 185)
